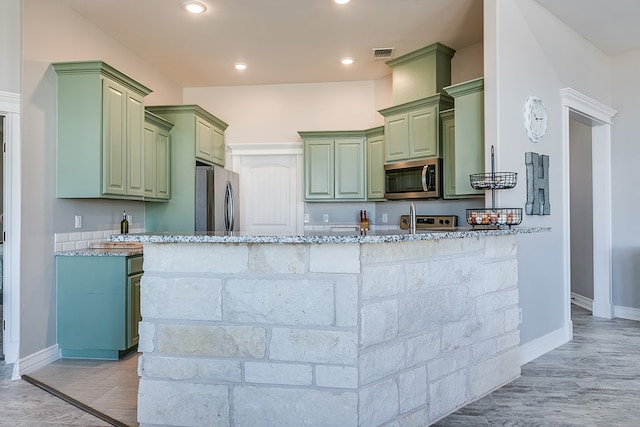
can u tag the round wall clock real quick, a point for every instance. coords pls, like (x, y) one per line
(534, 116)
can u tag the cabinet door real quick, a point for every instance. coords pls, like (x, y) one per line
(135, 145)
(318, 169)
(115, 139)
(163, 165)
(133, 309)
(204, 140)
(397, 138)
(218, 146)
(375, 168)
(349, 168)
(449, 153)
(150, 135)
(423, 133)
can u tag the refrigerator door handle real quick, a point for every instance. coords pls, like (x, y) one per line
(229, 206)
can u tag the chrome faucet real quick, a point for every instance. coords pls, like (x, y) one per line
(412, 217)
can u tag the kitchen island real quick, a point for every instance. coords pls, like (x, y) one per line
(325, 330)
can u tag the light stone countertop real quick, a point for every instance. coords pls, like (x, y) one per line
(320, 238)
(101, 252)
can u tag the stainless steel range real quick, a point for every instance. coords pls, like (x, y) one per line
(430, 222)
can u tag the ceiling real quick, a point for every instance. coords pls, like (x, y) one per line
(302, 41)
(611, 25)
(282, 41)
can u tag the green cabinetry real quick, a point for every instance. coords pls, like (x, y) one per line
(463, 139)
(334, 165)
(100, 148)
(412, 130)
(98, 305)
(194, 137)
(375, 163)
(157, 157)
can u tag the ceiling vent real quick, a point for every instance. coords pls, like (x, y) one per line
(382, 54)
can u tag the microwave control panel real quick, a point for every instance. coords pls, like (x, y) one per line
(430, 222)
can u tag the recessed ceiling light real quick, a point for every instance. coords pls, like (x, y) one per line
(341, 1)
(347, 61)
(240, 66)
(194, 7)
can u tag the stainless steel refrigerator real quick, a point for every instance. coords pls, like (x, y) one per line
(217, 204)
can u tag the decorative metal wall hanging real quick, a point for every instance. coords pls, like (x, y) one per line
(537, 184)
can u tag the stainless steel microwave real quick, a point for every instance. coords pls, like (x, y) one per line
(417, 179)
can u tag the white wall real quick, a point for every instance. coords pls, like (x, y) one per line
(275, 113)
(528, 51)
(10, 54)
(625, 192)
(53, 33)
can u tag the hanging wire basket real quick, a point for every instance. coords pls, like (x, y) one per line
(494, 217)
(493, 180)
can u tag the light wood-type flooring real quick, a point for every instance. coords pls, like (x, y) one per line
(591, 381)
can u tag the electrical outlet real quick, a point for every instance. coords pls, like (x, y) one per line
(306, 218)
(78, 220)
(130, 219)
(325, 217)
(519, 316)
(385, 218)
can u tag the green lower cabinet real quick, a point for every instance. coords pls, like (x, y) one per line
(98, 305)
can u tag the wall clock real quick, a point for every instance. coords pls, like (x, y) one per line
(534, 116)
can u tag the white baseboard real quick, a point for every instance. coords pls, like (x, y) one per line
(536, 348)
(580, 301)
(626, 312)
(37, 360)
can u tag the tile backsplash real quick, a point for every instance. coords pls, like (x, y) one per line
(84, 239)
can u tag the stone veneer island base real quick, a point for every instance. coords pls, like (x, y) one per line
(324, 331)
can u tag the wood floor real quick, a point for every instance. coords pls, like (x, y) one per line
(593, 380)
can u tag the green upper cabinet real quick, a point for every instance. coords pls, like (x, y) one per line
(334, 165)
(412, 130)
(421, 73)
(157, 157)
(210, 140)
(100, 147)
(464, 139)
(375, 163)
(194, 137)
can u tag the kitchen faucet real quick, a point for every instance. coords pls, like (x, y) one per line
(412, 218)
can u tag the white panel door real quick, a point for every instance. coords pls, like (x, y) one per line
(269, 194)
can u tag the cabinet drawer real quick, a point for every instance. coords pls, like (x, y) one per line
(134, 265)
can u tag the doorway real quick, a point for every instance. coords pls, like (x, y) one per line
(11, 205)
(596, 116)
(581, 203)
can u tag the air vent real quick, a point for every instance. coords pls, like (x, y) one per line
(382, 54)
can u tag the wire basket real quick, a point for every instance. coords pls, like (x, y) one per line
(493, 180)
(492, 218)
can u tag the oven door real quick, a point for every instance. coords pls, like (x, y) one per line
(419, 179)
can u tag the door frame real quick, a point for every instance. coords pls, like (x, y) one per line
(580, 107)
(10, 109)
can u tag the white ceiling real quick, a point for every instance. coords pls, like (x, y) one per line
(282, 41)
(302, 41)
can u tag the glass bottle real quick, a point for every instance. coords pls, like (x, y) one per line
(124, 224)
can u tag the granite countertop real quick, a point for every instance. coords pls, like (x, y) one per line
(319, 237)
(106, 249)
(100, 252)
